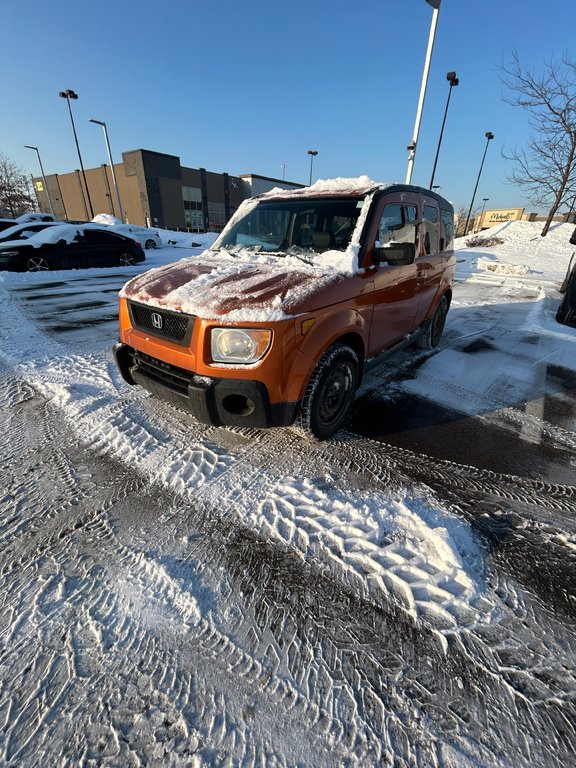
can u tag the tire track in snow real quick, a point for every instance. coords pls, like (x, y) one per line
(113, 620)
(219, 497)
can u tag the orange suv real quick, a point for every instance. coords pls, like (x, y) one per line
(302, 291)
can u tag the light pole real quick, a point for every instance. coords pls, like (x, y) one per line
(27, 146)
(69, 94)
(489, 136)
(453, 80)
(108, 193)
(312, 153)
(484, 201)
(100, 122)
(61, 197)
(412, 146)
(82, 195)
(283, 166)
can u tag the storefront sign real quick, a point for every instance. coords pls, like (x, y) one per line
(490, 218)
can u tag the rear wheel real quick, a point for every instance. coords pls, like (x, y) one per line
(37, 264)
(434, 327)
(330, 393)
(126, 260)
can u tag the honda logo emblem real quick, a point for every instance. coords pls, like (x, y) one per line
(157, 320)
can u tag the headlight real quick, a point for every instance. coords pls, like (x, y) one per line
(239, 345)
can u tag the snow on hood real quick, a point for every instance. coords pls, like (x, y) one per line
(217, 284)
(18, 228)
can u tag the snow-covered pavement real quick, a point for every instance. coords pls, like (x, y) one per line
(182, 595)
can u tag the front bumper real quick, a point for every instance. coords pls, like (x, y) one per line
(7, 262)
(216, 401)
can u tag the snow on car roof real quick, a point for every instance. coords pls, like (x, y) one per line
(54, 234)
(361, 185)
(107, 219)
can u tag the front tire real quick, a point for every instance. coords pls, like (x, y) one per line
(434, 327)
(150, 244)
(330, 393)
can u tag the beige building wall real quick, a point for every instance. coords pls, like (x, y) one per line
(70, 200)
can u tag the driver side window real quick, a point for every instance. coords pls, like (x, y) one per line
(398, 224)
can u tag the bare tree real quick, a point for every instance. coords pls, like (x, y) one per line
(14, 193)
(546, 168)
(461, 217)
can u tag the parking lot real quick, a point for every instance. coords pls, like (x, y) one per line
(177, 594)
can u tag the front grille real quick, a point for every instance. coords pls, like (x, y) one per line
(174, 326)
(169, 375)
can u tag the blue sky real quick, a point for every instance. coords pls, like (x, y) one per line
(245, 87)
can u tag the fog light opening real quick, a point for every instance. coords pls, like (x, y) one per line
(239, 405)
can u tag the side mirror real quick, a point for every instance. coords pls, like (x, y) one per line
(398, 254)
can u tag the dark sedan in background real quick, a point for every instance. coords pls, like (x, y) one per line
(24, 231)
(70, 246)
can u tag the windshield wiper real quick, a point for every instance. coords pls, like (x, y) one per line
(302, 258)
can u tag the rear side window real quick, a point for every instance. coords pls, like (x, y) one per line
(430, 223)
(446, 230)
(93, 236)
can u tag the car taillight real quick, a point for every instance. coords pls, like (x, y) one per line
(138, 244)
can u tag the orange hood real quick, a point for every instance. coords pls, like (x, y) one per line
(215, 287)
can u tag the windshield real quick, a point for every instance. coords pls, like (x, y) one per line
(295, 226)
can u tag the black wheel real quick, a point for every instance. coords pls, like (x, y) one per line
(126, 260)
(150, 244)
(37, 264)
(434, 327)
(330, 393)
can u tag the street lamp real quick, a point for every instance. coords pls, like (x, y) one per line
(412, 146)
(484, 201)
(69, 94)
(453, 80)
(489, 136)
(103, 124)
(312, 153)
(27, 146)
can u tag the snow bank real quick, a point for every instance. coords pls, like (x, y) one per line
(523, 251)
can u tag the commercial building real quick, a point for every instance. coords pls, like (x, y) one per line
(155, 190)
